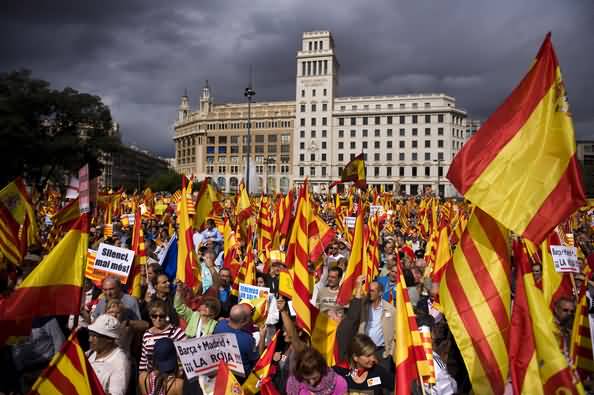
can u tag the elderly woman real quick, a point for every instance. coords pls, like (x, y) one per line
(161, 328)
(312, 376)
(162, 293)
(201, 322)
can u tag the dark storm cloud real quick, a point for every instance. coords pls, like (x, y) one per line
(141, 55)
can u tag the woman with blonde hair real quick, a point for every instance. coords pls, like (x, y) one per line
(365, 375)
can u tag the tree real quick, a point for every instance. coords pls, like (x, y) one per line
(47, 133)
(169, 181)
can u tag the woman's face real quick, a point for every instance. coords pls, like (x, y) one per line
(365, 361)
(204, 311)
(260, 282)
(312, 379)
(162, 286)
(159, 318)
(115, 310)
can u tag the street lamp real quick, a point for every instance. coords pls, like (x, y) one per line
(249, 93)
(267, 161)
(438, 161)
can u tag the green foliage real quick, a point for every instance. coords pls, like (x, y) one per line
(169, 181)
(46, 133)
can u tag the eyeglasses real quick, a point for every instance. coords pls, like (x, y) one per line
(155, 316)
(568, 311)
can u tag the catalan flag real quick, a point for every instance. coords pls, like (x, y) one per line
(580, 350)
(263, 370)
(54, 286)
(11, 245)
(443, 256)
(355, 265)
(226, 383)
(354, 171)
(264, 228)
(537, 364)
(476, 297)
(409, 356)
(134, 279)
(69, 373)
(230, 253)
(500, 169)
(187, 264)
(372, 254)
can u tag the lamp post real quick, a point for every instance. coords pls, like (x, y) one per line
(249, 93)
(267, 161)
(438, 161)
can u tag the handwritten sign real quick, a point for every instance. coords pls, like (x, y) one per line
(376, 209)
(113, 260)
(84, 201)
(200, 356)
(565, 259)
(350, 221)
(251, 292)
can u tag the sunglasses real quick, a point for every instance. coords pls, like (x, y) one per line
(155, 316)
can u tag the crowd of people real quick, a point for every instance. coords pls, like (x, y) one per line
(129, 341)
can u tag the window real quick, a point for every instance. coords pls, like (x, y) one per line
(427, 155)
(340, 145)
(303, 91)
(313, 107)
(302, 145)
(440, 118)
(414, 144)
(302, 108)
(260, 149)
(389, 144)
(389, 157)
(341, 133)
(376, 171)
(323, 159)
(402, 132)
(427, 131)
(313, 134)
(365, 145)
(340, 121)
(234, 139)
(439, 143)
(415, 105)
(440, 131)
(301, 171)
(401, 171)
(376, 157)
(427, 171)
(272, 149)
(377, 120)
(401, 156)
(440, 155)
(313, 92)
(376, 132)
(414, 118)
(323, 145)
(353, 121)
(427, 143)
(312, 157)
(324, 105)
(427, 117)
(376, 144)
(302, 121)
(272, 138)
(222, 139)
(324, 133)
(313, 122)
(414, 171)
(340, 157)
(389, 171)
(312, 171)
(302, 134)
(401, 144)
(285, 138)
(324, 121)
(389, 120)
(402, 120)
(353, 133)
(415, 131)
(364, 132)
(325, 91)
(353, 145)
(414, 156)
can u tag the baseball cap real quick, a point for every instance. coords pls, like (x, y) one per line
(164, 356)
(107, 326)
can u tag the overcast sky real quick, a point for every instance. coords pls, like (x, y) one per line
(140, 55)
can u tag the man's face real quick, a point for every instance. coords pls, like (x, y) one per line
(275, 270)
(333, 279)
(225, 277)
(374, 294)
(110, 290)
(393, 274)
(565, 311)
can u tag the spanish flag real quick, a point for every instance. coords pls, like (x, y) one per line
(54, 286)
(69, 373)
(355, 265)
(207, 201)
(521, 166)
(354, 171)
(187, 264)
(225, 382)
(263, 369)
(16, 199)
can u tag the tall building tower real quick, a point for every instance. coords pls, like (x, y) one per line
(316, 82)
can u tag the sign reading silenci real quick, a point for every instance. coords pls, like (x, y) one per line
(565, 259)
(200, 356)
(114, 260)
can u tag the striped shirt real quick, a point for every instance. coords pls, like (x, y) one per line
(148, 344)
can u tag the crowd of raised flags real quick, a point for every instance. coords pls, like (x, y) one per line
(433, 296)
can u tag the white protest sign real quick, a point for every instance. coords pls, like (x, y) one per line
(565, 259)
(251, 292)
(114, 260)
(350, 221)
(84, 202)
(376, 209)
(200, 356)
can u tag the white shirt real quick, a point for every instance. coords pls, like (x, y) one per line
(375, 329)
(113, 371)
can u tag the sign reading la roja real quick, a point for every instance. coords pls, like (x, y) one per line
(200, 356)
(565, 259)
(114, 260)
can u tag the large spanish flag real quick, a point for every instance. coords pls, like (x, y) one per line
(263, 370)
(225, 382)
(207, 201)
(476, 298)
(355, 265)
(354, 171)
(54, 286)
(521, 166)
(69, 373)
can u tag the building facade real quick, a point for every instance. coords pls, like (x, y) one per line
(408, 140)
(585, 155)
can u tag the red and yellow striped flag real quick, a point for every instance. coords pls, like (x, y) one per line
(409, 355)
(428, 373)
(355, 265)
(297, 261)
(69, 373)
(54, 286)
(500, 169)
(264, 224)
(536, 362)
(188, 270)
(372, 254)
(580, 350)
(16, 199)
(207, 201)
(230, 245)
(134, 281)
(11, 245)
(262, 371)
(443, 256)
(475, 296)
(226, 383)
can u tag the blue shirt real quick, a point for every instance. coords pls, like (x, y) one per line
(374, 328)
(245, 342)
(388, 288)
